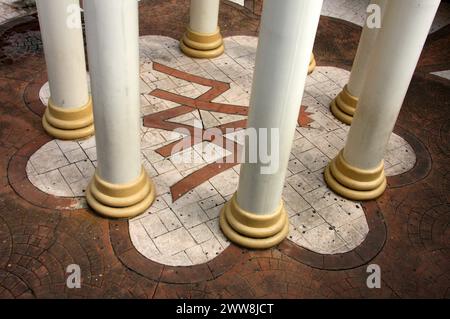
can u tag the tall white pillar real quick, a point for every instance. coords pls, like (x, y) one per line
(255, 217)
(344, 105)
(358, 171)
(202, 38)
(69, 112)
(120, 187)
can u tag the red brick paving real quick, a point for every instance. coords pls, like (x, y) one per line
(409, 235)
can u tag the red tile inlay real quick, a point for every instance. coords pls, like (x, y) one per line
(303, 118)
(204, 102)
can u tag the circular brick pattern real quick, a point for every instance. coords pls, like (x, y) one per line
(5, 243)
(421, 168)
(430, 228)
(11, 286)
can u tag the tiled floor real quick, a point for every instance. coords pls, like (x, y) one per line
(349, 10)
(185, 231)
(240, 2)
(443, 74)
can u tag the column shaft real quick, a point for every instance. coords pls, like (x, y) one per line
(255, 217)
(204, 16)
(344, 105)
(120, 187)
(363, 54)
(202, 38)
(357, 173)
(69, 113)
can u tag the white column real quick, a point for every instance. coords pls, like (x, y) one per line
(358, 172)
(69, 113)
(204, 16)
(255, 217)
(344, 105)
(120, 187)
(202, 38)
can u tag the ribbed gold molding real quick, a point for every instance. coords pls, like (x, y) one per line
(355, 183)
(344, 106)
(312, 64)
(69, 123)
(251, 230)
(121, 200)
(202, 45)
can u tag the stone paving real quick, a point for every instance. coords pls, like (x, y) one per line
(40, 234)
(10, 9)
(354, 11)
(185, 231)
(443, 74)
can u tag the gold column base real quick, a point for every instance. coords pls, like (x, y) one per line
(355, 183)
(344, 106)
(120, 200)
(312, 64)
(251, 230)
(69, 123)
(201, 45)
